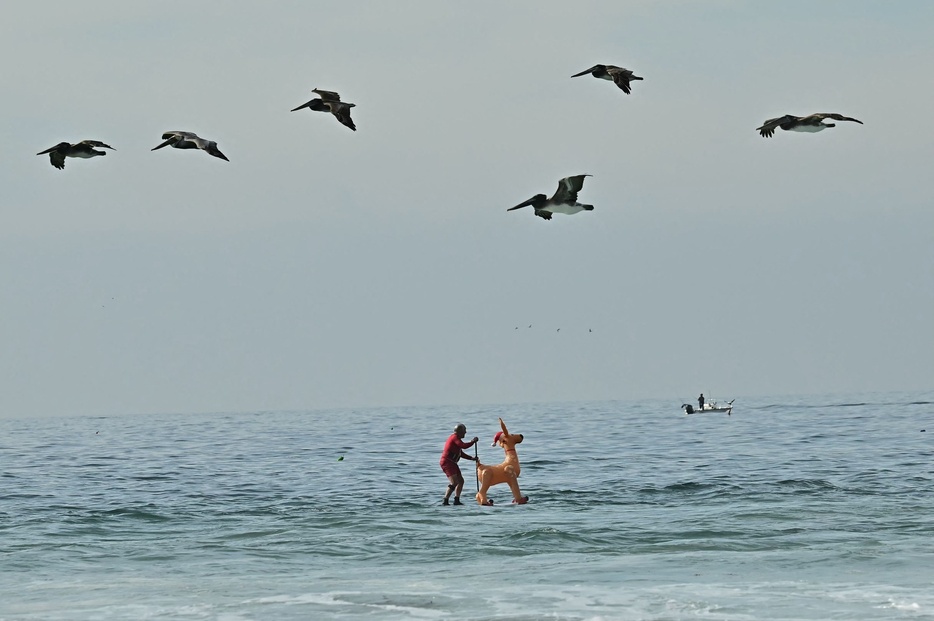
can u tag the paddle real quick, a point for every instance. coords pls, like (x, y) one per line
(477, 462)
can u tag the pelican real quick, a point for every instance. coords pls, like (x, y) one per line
(330, 102)
(564, 199)
(189, 140)
(620, 76)
(83, 149)
(811, 123)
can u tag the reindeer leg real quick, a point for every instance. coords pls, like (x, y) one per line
(517, 496)
(484, 486)
(481, 496)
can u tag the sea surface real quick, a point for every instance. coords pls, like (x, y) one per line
(790, 508)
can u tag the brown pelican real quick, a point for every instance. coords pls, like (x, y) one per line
(189, 140)
(621, 77)
(85, 149)
(563, 201)
(811, 123)
(330, 102)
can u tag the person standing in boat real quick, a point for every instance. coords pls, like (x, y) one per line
(700, 402)
(453, 451)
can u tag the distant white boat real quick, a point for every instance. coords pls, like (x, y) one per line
(709, 406)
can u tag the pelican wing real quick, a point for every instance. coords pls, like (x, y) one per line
(97, 143)
(210, 147)
(326, 95)
(341, 112)
(180, 135)
(57, 158)
(59, 147)
(568, 189)
(198, 141)
(622, 81)
(621, 77)
(768, 128)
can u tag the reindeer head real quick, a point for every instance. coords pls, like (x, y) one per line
(505, 439)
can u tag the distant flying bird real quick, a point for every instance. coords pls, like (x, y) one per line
(83, 149)
(620, 76)
(564, 199)
(330, 102)
(189, 140)
(811, 123)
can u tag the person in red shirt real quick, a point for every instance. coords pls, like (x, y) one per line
(453, 451)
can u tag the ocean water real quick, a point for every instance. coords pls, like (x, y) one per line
(791, 508)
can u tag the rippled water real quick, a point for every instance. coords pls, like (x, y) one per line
(791, 508)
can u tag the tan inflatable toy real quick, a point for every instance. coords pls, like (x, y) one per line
(506, 472)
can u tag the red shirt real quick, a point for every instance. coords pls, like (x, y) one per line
(453, 449)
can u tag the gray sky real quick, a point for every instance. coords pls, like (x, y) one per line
(322, 267)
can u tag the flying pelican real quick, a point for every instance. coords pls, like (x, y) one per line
(811, 123)
(84, 149)
(563, 201)
(330, 102)
(189, 140)
(620, 76)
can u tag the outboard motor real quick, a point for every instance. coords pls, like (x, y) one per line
(688, 408)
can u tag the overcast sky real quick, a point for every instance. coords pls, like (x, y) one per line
(322, 267)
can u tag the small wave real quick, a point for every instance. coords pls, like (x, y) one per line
(152, 477)
(251, 534)
(542, 462)
(829, 406)
(812, 406)
(549, 535)
(845, 404)
(688, 486)
(132, 514)
(901, 605)
(806, 485)
(691, 487)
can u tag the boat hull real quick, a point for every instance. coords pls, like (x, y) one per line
(708, 407)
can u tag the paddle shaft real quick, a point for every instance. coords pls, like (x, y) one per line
(476, 463)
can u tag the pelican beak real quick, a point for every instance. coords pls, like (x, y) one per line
(164, 144)
(585, 72)
(521, 205)
(304, 105)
